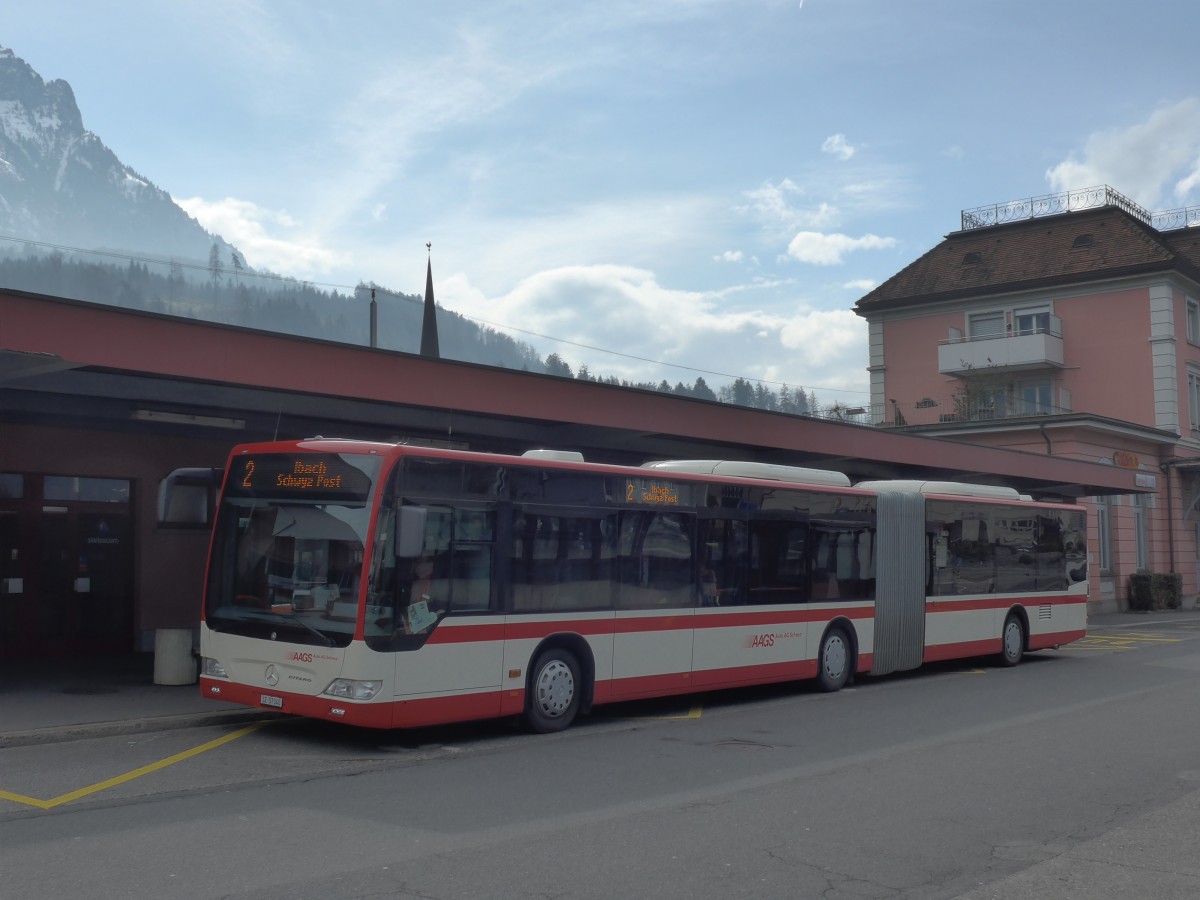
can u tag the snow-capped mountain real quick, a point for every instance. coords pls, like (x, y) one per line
(60, 184)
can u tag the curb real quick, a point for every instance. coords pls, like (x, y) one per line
(61, 733)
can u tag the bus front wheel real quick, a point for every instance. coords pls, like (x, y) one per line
(1012, 641)
(554, 691)
(833, 661)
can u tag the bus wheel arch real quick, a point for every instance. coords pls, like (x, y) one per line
(559, 683)
(837, 656)
(1014, 637)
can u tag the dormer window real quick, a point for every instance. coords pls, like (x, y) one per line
(1083, 240)
(972, 259)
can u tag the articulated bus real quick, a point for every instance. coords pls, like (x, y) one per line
(393, 586)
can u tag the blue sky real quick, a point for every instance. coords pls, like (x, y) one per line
(670, 187)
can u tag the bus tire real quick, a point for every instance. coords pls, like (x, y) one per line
(555, 691)
(834, 660)
(1012, 641)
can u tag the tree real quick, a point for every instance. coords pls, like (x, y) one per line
(743, 392)
(214, 263)
(235, 259)
(702, 391)
(556, 365)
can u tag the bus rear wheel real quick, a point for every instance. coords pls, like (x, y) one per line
(1012, 641)
(833, 661)
(554, 691)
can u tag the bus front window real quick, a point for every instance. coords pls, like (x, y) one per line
(287, 566)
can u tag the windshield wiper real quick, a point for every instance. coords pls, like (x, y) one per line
(259, 613)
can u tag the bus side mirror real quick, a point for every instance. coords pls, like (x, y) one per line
(410, 532)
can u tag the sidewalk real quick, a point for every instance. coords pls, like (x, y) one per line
(44, 701)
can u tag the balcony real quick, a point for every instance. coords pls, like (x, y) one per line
(961, 408)
(1029, 351)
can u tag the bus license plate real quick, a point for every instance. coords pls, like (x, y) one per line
(268, 700)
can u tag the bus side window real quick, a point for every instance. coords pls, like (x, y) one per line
(655, 567)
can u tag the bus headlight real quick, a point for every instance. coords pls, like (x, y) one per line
(350, 689)
(213, 669)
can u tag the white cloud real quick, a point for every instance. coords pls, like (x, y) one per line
(860, 284)
(829, 249)
(777, 206)
(661, 332)
(245, 225)
(1154, 162)
(729, 256)
(837, 145)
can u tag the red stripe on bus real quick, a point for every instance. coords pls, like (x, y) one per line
(370, 715)
(1007, 601)
(447, 633)
(1055, 639)
(785, 617)
(965, 649)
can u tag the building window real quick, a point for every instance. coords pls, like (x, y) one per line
(1104, 533)
(1031, 321)
(12, 486)
(1035, 398)
(1140, 538)
(1193, 321)
(985, 325)
(93, 490)
(1194, 398)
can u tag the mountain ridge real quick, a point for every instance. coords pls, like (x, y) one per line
(60, 183)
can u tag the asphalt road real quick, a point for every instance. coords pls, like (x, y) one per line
(960, 781)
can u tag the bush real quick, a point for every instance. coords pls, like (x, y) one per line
(1166, 589)
(1140, 597)
(1155, 590)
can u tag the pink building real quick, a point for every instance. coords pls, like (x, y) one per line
(1066, 325)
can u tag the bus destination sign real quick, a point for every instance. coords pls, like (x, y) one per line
(643, 490)
(313, 475)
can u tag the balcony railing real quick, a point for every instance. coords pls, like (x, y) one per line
(1010, 352)
(947, 410)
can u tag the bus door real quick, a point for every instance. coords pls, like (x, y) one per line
(447, 606)
(655, 603)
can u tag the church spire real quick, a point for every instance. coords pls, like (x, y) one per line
(429, 333)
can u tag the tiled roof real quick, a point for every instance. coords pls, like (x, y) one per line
(1078, 246)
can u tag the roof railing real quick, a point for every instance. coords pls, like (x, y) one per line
(1074, 201)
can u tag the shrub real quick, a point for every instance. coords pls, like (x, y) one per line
(1166, 590)
(1155, 590)
(1140, 597)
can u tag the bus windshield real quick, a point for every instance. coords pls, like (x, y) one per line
(287, 552)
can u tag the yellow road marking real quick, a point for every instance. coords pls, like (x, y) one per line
(1142, 636)
(130, 776)
(1125, 640)
(696, 712)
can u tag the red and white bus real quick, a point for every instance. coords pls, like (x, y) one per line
(393, 586)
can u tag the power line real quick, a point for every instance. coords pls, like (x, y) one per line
(283, 279)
